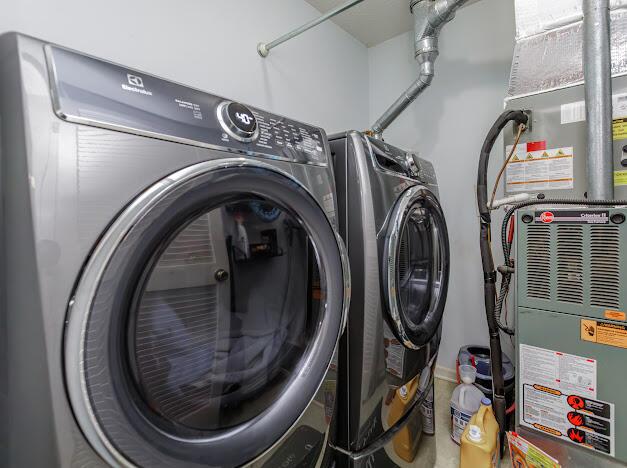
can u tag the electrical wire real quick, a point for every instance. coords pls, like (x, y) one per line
(521, 129)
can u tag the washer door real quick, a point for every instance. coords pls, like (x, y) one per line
(206, 319)
(416, 271)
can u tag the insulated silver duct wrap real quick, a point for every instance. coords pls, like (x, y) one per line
(549, 43)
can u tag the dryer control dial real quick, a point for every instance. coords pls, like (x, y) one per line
(238, 121)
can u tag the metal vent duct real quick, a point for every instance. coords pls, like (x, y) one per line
(429, 18)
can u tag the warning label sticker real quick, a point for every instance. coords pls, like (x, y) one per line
(546, 169)
(619, 128)
(620, 178)
(558, 393)
(605, 333)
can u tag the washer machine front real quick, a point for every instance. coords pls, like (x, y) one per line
(177, 286)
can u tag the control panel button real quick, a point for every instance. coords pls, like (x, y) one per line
(238, 121)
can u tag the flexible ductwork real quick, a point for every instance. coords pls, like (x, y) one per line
(549, 45)
(429, 18)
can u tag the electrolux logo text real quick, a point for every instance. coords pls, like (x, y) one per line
(137, 85)
(135, 80)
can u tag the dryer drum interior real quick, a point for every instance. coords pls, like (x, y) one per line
(216, 315)
(416, 278)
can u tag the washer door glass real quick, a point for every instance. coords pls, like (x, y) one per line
(206, 319)
(417, 285)
(226, 314)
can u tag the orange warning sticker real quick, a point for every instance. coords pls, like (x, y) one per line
(615, 315)
(542, 388)
(605, 333)
(547, 429)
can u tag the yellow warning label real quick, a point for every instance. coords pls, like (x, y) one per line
(620, 129)
(620, 178)
(605, 333)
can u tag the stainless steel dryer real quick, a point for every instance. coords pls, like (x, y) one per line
(397, 240)
(173, 288)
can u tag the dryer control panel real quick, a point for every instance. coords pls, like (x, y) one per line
(393, 159)
(94, 92)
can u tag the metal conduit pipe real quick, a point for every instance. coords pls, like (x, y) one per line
(429, 18)
(597, 68)
(263, 48)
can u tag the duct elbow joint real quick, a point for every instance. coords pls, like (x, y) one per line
(443, 11)
(426, 79)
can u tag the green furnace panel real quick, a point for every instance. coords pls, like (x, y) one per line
(572, 333)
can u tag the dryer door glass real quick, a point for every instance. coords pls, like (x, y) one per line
(226, 314)
(419, 246)
(206, 320)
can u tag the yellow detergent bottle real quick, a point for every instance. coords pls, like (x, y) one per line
(406, 440)
(479, 443)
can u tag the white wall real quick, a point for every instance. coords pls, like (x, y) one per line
(320, 77)
(323, 78)
(447, 124)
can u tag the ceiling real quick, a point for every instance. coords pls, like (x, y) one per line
(372, 21)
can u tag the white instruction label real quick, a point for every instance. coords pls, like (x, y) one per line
(549, 169)
(558, 396)
(576, 111)
(565, 372)
(394, 353)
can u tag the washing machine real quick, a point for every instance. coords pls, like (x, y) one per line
(173, 288)
(397, 240)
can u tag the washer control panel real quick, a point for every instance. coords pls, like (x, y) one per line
(95, 92)
(238, 121)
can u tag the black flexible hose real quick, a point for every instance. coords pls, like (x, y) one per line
(487, 262)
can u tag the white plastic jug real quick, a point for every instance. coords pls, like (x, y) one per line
(465, 402)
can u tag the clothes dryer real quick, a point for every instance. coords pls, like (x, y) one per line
(173, 288)
(396, 235)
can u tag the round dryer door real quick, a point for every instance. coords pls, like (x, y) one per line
(206, 319)
(416, 267)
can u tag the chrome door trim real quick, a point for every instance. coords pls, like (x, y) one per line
(79, 307)
(395, 228)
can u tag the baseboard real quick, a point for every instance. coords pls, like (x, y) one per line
(445, 373)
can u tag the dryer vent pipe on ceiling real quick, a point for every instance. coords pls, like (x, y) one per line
(429, 18)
